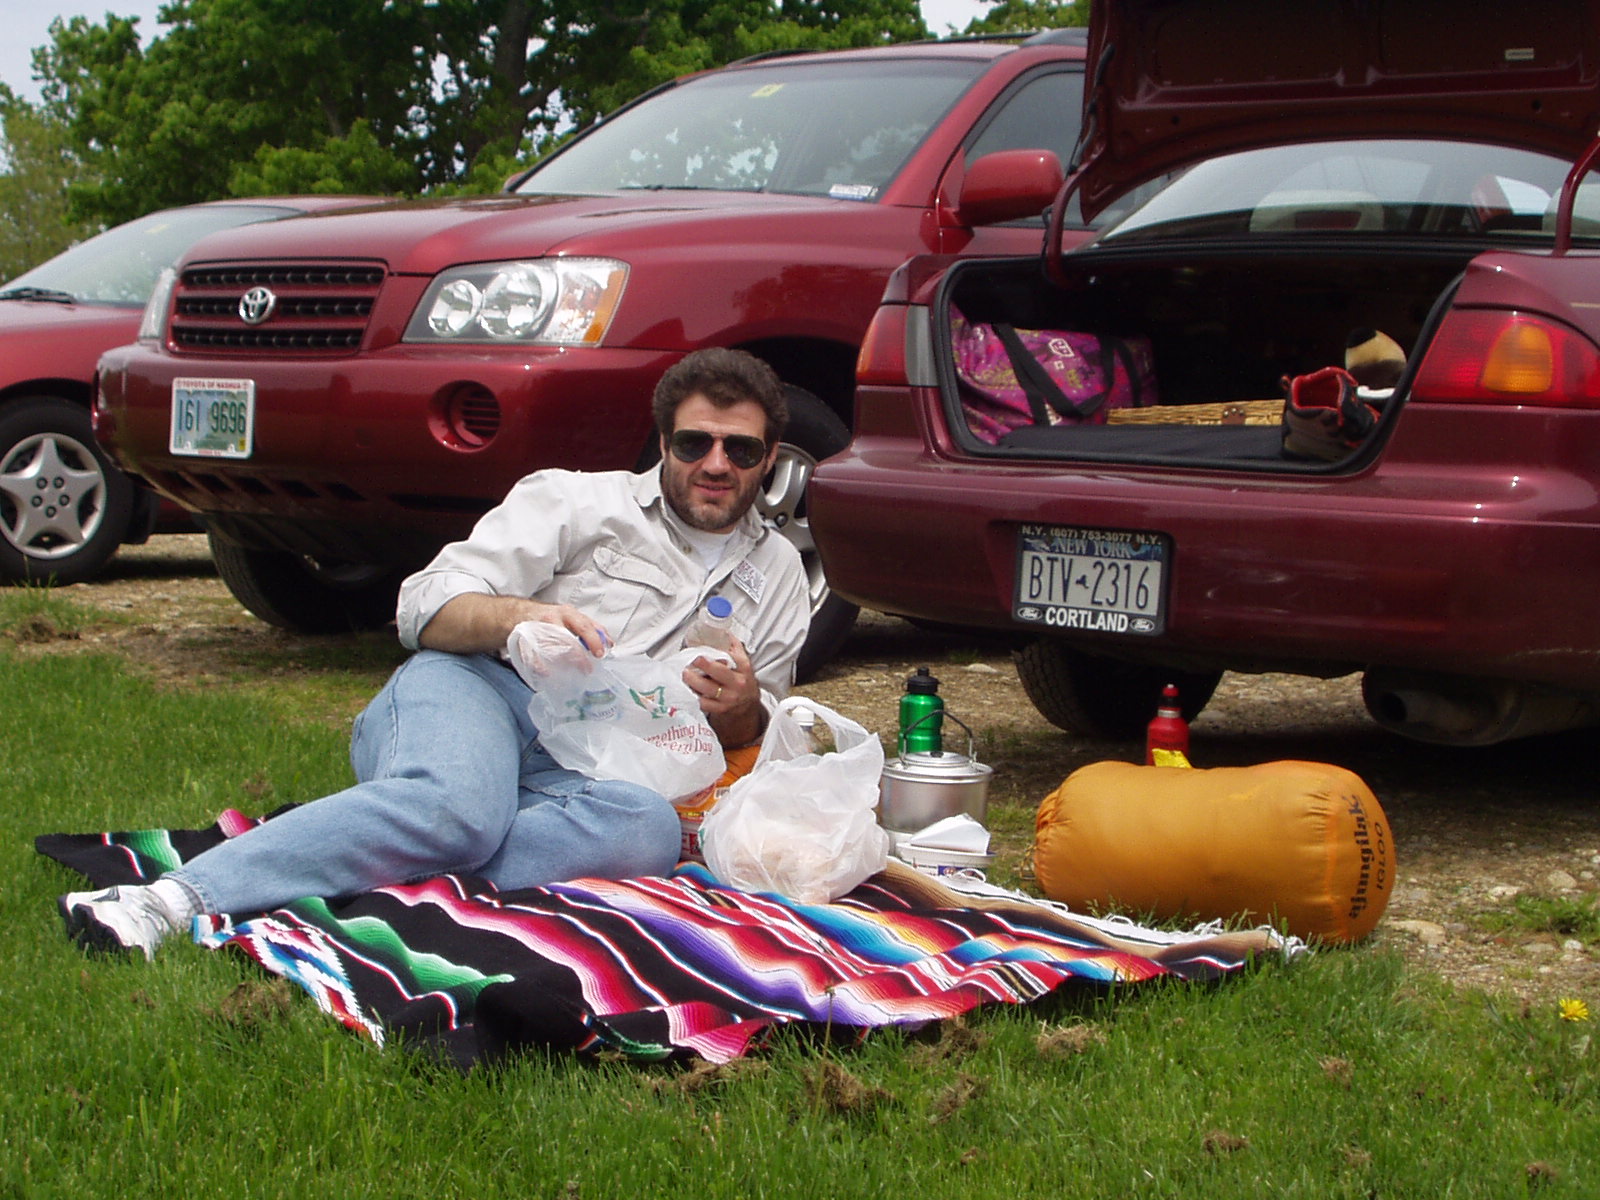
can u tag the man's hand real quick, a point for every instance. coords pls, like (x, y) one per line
(729, 696)
(476, 623)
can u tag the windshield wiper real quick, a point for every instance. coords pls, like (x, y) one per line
(39, 293)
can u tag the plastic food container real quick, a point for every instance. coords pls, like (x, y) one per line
(936, 861)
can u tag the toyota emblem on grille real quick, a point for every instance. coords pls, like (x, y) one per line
(256, 305)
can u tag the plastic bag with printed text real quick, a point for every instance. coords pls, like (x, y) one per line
(624, 716)
(801, 823)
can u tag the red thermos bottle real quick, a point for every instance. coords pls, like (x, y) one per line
(1167, 729)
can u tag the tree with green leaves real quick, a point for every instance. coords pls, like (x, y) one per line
(386, 96)
(35, 167)
(169, 123)
(1018, 16)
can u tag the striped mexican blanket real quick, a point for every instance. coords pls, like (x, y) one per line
(664, 966)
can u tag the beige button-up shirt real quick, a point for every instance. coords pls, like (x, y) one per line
(608, 544)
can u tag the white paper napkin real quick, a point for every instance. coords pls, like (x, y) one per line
(960, 833)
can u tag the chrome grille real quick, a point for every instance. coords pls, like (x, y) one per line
(319, 308)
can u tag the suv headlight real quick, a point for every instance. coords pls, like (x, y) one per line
(543, 301)
(155, 309)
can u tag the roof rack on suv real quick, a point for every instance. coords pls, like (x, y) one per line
(763, 55)
(1071, 35)
(1074, 35)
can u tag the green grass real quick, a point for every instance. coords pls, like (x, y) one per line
(32, 613)
(1338, 1076)
(1571, 916)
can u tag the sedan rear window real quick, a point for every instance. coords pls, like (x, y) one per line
(1413, 187)
(120, 266)
(840, 129)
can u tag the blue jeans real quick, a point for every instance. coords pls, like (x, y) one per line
(453, 779)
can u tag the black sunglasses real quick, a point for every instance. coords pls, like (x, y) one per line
(743, 451)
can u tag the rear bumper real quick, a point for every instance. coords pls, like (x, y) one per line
(1457, 567)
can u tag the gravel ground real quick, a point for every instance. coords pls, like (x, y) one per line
(1473, 830)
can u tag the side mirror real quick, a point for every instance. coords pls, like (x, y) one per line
(1009, 185)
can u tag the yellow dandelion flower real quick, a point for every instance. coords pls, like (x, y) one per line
(1574, 1009)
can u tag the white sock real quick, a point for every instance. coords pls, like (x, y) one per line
(178, 901)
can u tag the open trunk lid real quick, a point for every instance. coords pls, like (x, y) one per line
(1176, 81)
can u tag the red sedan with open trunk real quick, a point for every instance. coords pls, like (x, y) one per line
(1369, 301)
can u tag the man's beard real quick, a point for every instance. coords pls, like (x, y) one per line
(708, 517)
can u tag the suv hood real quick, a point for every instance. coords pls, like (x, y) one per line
(37, 318)
(1175, 81)
(425, 237)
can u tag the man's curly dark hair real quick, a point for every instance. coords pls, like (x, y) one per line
(724, 377)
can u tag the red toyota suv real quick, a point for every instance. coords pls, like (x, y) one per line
(1371, 301)
(335, 401)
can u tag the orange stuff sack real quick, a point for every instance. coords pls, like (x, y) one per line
(1303, 846)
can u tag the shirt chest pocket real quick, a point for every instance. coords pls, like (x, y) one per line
(620, 588)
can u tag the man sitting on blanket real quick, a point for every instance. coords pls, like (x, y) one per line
(452, 777)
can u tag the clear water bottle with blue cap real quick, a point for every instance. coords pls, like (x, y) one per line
(714, 626)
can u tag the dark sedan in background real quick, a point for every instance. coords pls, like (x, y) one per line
(64, 508)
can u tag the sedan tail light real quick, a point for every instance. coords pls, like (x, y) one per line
(1494, 356)
(883, 352)
(898, 349)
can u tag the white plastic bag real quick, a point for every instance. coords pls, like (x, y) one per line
(624, 716)
(537, 648)
(801, 824)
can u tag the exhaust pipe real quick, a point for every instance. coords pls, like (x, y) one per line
(1452, 711)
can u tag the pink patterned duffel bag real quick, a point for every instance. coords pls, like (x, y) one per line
(1011, 377)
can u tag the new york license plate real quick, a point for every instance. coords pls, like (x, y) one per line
(1105, 580)
(213, 418)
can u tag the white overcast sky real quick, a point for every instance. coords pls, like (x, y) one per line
(26, 25)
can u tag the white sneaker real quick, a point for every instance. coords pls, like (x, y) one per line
(116, 919)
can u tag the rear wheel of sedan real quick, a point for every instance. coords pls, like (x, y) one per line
(302, 595)
(1098, 697)
(64, 508)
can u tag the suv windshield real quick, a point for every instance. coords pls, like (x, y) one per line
(839, 129)
(121, 265)
(1385, 186)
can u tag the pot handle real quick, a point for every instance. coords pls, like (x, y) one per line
(900, 739)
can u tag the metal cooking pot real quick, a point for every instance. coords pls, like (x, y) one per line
(920, 788)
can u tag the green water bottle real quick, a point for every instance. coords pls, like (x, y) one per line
(920, 732)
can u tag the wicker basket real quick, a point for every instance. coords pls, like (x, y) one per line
(1230, 412)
